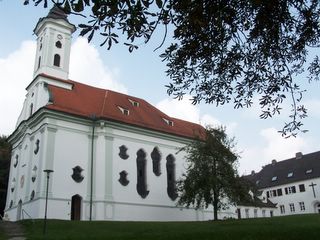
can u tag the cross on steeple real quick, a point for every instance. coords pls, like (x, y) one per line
(313, 185)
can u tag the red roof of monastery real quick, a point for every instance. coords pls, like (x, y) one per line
(84, 100)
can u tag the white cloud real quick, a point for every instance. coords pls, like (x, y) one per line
(17, 70)
(273, 146)
(16, 73)
(87, 67)
(184, 109)
(279, 147)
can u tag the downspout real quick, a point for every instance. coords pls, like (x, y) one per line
(93, 118)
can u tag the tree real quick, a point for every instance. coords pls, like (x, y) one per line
(5, 152)
(222, 51)
(211, 177)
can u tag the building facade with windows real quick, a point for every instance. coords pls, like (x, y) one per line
(292, 184)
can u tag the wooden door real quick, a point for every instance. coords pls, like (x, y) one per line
(76, 207)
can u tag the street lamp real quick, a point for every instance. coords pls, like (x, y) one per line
(48, 171)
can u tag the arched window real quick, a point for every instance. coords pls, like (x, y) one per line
(141, 174)
(39, 62)
(58, 44)
(31, 109)
(56, 60)
(156, 157)
(171, 177)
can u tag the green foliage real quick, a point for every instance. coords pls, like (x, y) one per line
(290, 228)
(211, 177)
(5, 153)
(222, 51)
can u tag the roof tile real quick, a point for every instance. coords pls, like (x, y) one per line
(84, 100)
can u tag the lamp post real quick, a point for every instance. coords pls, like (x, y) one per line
(48, 171)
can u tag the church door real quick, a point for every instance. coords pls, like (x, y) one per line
(76, 207)
(19, 209)
(239, 213)
(318, 208)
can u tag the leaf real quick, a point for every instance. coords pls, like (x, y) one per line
(159, 3)
(84, 31)
(109, 43)
(67, 8)
(79, 6)
(90, 36)
(87, 2)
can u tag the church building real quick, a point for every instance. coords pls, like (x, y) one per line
(92, 153)
(104, 155)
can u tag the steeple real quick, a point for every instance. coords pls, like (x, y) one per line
(53, 44)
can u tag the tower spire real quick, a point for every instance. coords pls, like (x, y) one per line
(54, 34)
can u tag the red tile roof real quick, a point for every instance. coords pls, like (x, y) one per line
(84, 100)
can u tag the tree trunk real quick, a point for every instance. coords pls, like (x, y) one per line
(215, 206)
(215, 191)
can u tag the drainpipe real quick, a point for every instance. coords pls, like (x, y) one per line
(93, 118)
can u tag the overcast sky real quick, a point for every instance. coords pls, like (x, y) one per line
(142, 74)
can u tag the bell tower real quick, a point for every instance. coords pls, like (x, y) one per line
(54, 34)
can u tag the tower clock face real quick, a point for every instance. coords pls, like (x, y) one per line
(59, 36)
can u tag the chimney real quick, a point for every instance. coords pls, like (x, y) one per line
(273, 162)
(299, 155)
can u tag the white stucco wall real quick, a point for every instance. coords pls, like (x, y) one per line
(66, 143)
(310, 201)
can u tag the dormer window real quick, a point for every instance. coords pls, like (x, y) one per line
(309, 171)
(274, 178)
(168, 122)
(290, 174)
(134, 103)
(124, 111)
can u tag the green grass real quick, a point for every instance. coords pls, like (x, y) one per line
(2, 234)
(291, 227)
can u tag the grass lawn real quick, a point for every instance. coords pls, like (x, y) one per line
(292, 227)
(2, 235)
